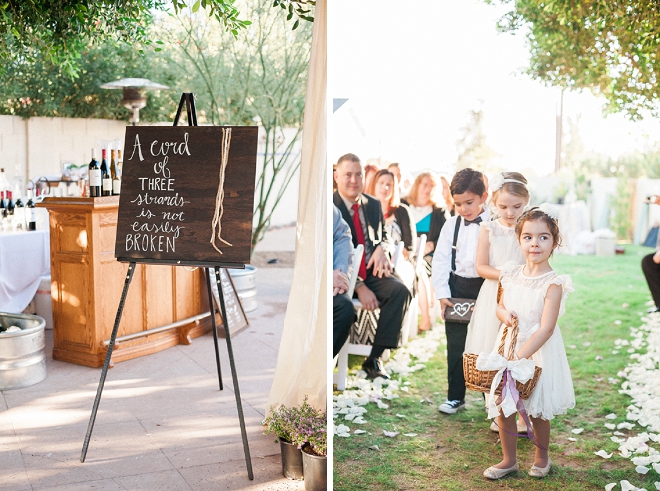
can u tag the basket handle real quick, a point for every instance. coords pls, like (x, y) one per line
(514, 339)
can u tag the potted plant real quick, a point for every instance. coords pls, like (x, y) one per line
(284, 421)
(302, 428)
(312, 437)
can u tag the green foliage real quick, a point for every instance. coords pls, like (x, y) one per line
(622, 220)
(61, 31)
(40, 87)
(608, 46)
(301, 425)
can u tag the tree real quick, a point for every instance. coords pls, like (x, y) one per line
(260, 77)
(473, 151)
(62, 30)
(611, 47)
(39, 87)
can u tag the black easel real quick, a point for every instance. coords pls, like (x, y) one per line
(188, 99)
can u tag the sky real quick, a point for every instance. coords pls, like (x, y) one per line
(412, 70)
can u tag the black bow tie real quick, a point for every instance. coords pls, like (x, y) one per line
(477, 220)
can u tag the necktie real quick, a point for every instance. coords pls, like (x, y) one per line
(359, 235)
(477, 220)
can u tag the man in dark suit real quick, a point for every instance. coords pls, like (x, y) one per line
(377, 287)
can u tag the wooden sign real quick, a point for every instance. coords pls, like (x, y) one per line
(187, 195)
(236, 319)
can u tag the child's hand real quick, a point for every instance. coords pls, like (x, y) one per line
(510, 316)
(444, 303)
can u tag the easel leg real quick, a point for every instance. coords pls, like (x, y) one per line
(237, 392)
(104, 372)
(215, 330)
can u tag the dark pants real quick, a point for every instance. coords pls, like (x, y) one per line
(456, 333)
(394, 298)
(343, 316)
(652, 273)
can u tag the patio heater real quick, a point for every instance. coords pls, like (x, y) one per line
(132, 94)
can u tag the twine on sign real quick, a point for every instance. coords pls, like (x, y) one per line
(220, 196)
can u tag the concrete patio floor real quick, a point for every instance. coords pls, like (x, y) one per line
(162, 423)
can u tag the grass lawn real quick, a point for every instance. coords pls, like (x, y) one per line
(451, 452)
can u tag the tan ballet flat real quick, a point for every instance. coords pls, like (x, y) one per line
(540, 471)
(495, 473)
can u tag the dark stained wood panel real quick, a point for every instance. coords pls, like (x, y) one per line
(168, 195)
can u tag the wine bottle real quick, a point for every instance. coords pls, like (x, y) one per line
(105, 174)
(19, 214)
(3, 208)
(10, 205)
(31, 212)
(114, 173)
(94, 176)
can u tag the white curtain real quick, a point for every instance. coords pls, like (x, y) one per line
(302, 359)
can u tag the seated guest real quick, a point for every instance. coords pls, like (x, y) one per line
(429, 219)
(398, 221)
(377, 286)
(446, 195)
(403, 181)
(343, 313)
(369, 172)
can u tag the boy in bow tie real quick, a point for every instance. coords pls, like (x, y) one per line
(454, 273)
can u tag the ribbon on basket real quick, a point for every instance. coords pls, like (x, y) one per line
(520, 370)
(509, 401)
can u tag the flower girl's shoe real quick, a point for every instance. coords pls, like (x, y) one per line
(495, 473)
(540, 471)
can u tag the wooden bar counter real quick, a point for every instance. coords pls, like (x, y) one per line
(87, 282)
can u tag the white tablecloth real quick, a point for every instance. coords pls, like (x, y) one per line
(24, 257)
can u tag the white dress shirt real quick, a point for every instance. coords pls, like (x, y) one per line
(466, 253)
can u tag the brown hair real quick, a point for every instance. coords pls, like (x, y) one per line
(348, 156)
(468, 180)
(412, 195)
(535, 214)
(394, 199)
(515, 188)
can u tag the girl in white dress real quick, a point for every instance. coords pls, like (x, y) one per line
(535, 295)
(497, 246)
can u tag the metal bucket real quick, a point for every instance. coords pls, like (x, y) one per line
(245, 281)
(315, 469)
(292, 464)
(22, 353)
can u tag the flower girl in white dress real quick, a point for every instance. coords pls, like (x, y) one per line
(534, 295)
(497, 246)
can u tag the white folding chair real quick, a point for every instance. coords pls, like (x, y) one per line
(342, 361)
(353, 348)
(410, 324)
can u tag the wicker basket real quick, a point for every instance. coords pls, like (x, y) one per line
(481, 380)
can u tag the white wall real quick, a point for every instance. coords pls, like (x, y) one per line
(35, 147)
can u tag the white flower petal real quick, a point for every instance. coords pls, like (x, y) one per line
(610, 416)
(626, 486)
(410, 434)
(358, 432)
(610, 486)
(641, 469)
(577, 431)
(390, 434)
(571, 439)
(610, 426)
(603, 454)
